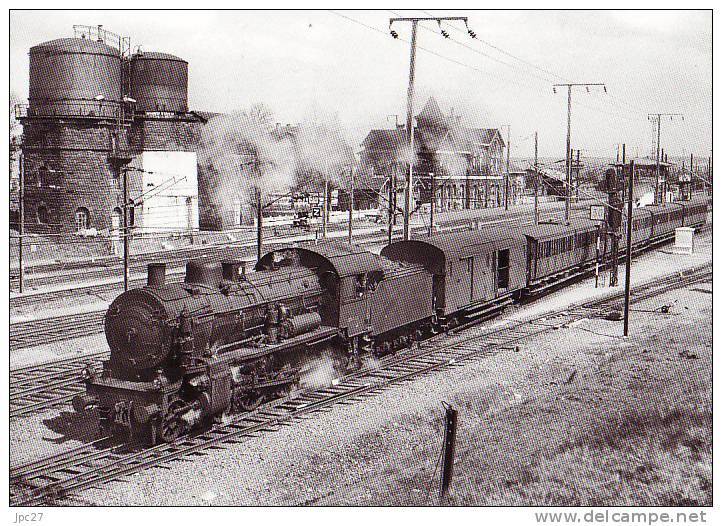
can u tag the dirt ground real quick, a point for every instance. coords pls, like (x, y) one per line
(579, 417)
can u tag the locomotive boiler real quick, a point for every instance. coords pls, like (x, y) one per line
(219, 342)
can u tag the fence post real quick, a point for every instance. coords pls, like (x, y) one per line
(447, 471)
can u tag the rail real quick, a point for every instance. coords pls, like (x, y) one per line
(45, 480)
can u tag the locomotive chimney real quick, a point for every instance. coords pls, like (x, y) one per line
(231, 270)
(156, 274)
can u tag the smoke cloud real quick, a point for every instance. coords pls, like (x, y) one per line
(245, 151)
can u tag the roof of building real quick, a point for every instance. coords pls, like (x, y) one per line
(205, 116)
(436, 132)
(431, 140)
(75, 45)
(157, 55)
(431, 113)
(646, 162)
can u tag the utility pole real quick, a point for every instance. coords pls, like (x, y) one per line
(324, 220)
(578, 169)
(392, 202)
(567, 155)
(21, 227)
(615, 234)
(536, 178)
(628, 279)
(657, 117)
(126, 233)
(259, 225)
(350, 209)
(506, 181)
(433, 203)
(408, 191)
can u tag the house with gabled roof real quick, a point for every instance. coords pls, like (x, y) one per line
(463, 167)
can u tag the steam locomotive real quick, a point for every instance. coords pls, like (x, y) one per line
(223, 340)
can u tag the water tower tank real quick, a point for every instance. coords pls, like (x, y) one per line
(68, 76)
(159, 82)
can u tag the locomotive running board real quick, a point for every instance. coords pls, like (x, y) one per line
(322, 334)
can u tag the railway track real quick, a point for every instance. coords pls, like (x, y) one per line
(90, 465)
(25, 402)
(48, 330)
(37, 387)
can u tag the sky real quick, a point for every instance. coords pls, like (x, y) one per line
(303, 64)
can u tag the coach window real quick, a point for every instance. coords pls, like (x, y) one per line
(502, 269)
(43, 216)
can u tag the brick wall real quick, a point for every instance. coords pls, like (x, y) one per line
(66, 168)
(79, 173)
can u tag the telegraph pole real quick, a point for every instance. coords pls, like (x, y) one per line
(433, 203)
(615, 234)
(21, 227)
(567, 155)
(627, 278)
(408, 191)
(126, 234)
(324, 221)
(506, 180)
(657, 117)
(392, 202)
(536, 178)
(259, 224)
(578, 169)
(350, 209)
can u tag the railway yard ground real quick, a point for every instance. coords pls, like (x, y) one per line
(576, 416)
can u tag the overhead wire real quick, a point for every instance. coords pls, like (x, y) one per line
(515, 83)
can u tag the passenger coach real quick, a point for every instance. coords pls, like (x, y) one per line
(472, 271)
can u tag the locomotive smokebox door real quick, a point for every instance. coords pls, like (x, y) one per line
(135, 330)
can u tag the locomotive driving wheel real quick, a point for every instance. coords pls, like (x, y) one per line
(172, 426)
(249, 401)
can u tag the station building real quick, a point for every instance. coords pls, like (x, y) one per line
(463, 167)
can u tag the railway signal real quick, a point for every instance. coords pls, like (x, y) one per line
(657, 117)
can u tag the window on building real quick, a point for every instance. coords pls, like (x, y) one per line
(82, 219)
(43, 216)
(49, 178)
(114, 178)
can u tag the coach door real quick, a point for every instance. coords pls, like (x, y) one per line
(467, 267)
